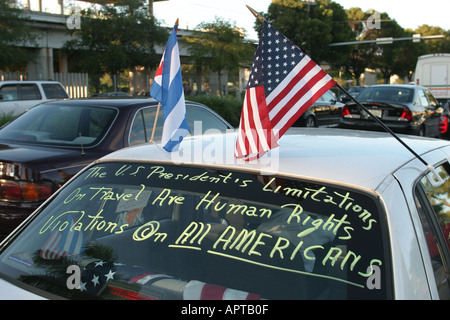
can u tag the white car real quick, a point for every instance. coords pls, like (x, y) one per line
(16, 97)
(330, 214)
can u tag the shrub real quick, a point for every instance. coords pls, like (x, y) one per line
(228, 107)
(6, 117)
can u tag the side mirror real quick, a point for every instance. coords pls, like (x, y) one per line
(344, 99)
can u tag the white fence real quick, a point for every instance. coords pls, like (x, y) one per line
(76, 84)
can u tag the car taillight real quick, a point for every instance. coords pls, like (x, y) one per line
(24, 191)
(127, 294)
(443, 124)
(406, 115)
(345, 112)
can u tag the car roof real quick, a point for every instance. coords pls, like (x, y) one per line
(410, 86)
(117, 102)
(28, 81)
(106, 101)
(361, 159)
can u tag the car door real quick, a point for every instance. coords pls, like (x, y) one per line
(432, 116)
(9, 98)
(426, 194)
(432, 196)
(17, 98)
(327, 110)
(436, 113)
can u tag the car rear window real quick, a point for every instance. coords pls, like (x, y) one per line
(54, 91)
(387, 94)
(42, 125)
(155, 231)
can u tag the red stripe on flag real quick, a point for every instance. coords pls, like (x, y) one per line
(296, 79)
(256, 134)
(212, 292)
(297, 109)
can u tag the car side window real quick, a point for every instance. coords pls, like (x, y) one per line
(9, 93)
(29, 92)
(208, 120)
(137, 131)
(431, 99)
(433, 203)
(54, 91)
(142, 127)
(327, 97)
(423, 101)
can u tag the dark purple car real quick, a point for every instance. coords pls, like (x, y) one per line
(45, 147)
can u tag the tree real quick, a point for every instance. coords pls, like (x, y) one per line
(361, 55)
(14, 34)
(386, 58)
(313, 27)
(218, 45)
(434, 46)
(116, 38)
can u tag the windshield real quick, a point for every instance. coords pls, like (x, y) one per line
(387, 94)
(60, 125)
(138, 231)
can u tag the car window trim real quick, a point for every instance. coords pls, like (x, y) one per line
(188, 104)
(430, 215)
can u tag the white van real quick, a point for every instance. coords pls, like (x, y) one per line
(17, 97)
(433, 72)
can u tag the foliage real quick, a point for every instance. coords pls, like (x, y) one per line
(313, 27)
(228, 107)
(116, 38)
(14, 34)
(6, 117)
(218, 45)
(399, 57)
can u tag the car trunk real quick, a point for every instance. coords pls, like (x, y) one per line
(384, 111)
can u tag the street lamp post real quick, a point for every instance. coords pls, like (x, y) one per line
(310, 3)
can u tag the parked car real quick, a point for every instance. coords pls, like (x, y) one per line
(325, 112)
(17, 97)
(403, 108)
(445, 121)
(112, 94)
(353, 91)
(43, 148)
(199, 224)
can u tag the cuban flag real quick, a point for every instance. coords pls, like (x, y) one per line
(167, 88)
(63, 243)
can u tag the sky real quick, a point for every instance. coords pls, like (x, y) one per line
(408, 13)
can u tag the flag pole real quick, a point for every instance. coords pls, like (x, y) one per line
(256, 14)
(156, 120)
(385, 127)
(159, 107)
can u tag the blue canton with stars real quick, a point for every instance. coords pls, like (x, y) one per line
(275, 57)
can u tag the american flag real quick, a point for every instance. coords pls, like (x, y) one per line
(283, 84)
